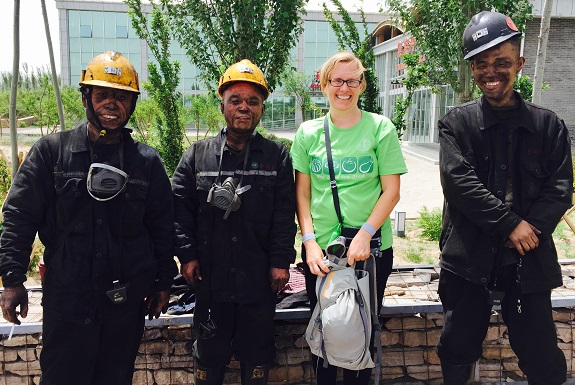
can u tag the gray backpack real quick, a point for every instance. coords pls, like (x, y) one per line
(339, 330)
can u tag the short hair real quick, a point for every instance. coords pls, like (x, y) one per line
(340, 57)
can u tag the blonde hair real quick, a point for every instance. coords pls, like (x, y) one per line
(340, 57)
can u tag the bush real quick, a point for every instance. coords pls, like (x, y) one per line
(430, 223)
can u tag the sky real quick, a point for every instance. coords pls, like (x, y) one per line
(33, 43)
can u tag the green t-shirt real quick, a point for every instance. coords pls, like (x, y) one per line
(360, 155)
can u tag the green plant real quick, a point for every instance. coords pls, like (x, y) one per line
(5, 179)
(22, 125)
(430, 223)
(413, 254)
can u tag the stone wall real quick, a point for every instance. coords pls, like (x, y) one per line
(408, 353)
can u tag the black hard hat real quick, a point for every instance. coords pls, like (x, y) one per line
(486, 30)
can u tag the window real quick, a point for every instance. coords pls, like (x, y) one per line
(121, 32)
(85, 31)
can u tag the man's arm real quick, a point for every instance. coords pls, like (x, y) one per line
(159, 220)
(24, 210)
(555, 196)
(185, 206)
(283, 227)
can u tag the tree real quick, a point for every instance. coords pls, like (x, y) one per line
(297, 84)
(143, 120)
(205, 108)
(14, 89)
(415, 77)
(53, 67)
(348, 38)
(541, 52)
(438, 25)
(218, 33)
(162, 81)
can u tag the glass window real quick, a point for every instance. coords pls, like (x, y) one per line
(74, 24)
(86, 57)
(122, 46)
(86, 17)
(75, 68)
(109, 25)
(121, 32)
(309, 31)
(86, 45)
(98, 45)
(75, 45)
(97, 25)
(134, 45)
(85, 31)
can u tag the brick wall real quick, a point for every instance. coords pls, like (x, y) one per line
(559, 66)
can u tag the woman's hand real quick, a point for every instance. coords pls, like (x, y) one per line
(359, 249)
(314, 258)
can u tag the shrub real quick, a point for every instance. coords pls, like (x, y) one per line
(430, 223)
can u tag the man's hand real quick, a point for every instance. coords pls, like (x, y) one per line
(157, 303)
(278, 278)
(523, 238)
(191, 272)
(11, 298)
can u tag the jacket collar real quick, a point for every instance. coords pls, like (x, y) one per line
(79, 142)
(256, 142)
(486, 117)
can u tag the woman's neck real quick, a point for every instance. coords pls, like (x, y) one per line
(345, 119)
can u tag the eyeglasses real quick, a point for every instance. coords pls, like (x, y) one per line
(351, 83)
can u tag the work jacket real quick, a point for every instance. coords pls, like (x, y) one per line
(236, 253)
(476, 221)
(128, 238)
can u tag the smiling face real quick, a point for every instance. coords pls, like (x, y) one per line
(242, 107)
(111, 106)
(495, 70)
(344, 98)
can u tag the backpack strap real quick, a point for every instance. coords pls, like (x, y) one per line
(364, 317)
(371, 263)
(318, 319)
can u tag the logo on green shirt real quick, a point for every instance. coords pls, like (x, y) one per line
(348, 165)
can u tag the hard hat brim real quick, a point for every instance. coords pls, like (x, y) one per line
(102, 83)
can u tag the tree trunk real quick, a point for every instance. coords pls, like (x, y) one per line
(541, 52)
(14, 90)
(464, 79)
(53, 67)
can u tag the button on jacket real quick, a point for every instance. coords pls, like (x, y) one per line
(235, 254)
(476, 221)
(129, 238)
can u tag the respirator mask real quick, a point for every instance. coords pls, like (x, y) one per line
(227, 195)
(105, 182)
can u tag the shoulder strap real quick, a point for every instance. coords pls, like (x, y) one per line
(332, 182)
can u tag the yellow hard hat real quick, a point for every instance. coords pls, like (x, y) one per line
(111, 70)
(243, 71)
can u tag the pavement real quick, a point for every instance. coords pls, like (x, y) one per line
(420, 186)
